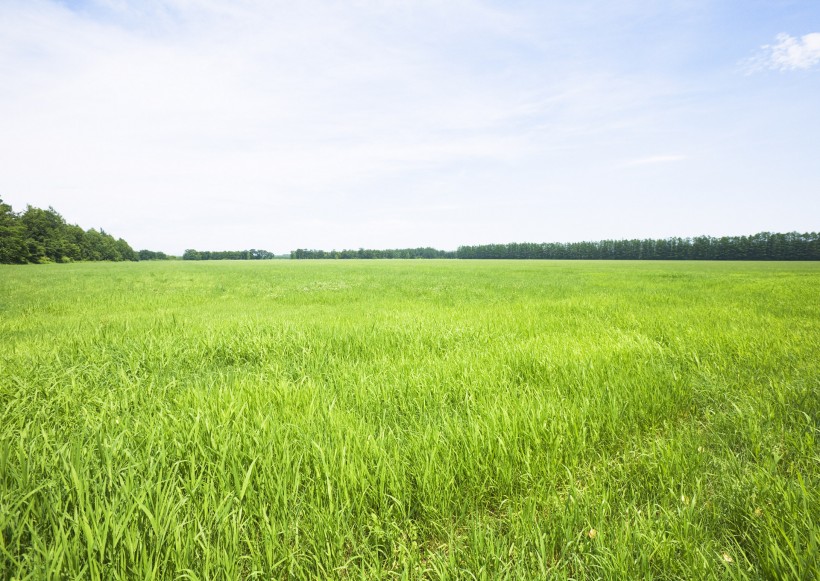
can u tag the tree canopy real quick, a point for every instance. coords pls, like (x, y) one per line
(39, 236)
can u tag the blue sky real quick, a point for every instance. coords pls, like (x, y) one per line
(390, 123)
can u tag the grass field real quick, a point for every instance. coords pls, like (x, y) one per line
(410, 419)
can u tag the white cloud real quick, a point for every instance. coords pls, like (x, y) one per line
(789, 53)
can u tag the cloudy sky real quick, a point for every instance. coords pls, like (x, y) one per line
(217, 124)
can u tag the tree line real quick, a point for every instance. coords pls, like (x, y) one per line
(426, 252)
(40, 236)
(761, 246)
(251, 254)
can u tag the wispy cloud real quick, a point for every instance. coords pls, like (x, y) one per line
(788, 53)
(653, 159)
(234, 123)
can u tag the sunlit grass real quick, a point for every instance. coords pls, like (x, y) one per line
(409, 419)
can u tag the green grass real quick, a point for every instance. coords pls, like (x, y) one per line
(410, 419)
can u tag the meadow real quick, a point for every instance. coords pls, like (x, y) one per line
(410, 420)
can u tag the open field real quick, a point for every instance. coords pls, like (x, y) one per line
(410, 419)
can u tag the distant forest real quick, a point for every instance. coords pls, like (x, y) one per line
(762, 246)
(39, 236)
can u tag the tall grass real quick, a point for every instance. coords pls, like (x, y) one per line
(409, 420)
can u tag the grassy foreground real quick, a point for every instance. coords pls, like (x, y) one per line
(409, 419)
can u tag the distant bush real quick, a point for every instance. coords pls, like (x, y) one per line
(151, 255)
(363, 253)
(251, 254)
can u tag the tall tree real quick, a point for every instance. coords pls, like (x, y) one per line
(12, 236)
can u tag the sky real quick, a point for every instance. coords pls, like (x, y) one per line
(216, 124)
